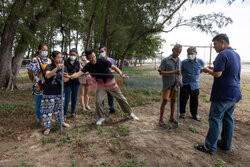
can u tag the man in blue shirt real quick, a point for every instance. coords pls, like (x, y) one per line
(190, 70)
(225, 94)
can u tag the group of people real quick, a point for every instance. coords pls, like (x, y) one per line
(184, 74)
(176, 74)
(225, 93)
(47, 76)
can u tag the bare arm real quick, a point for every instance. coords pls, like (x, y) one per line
(31, 76)
(50, 74)
(75, 75)
(65, 79)
(169, 72)
(116, 69)
(212, 72)
(180, 83)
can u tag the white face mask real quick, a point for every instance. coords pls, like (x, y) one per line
(72, 57)
(191, 57)
(103, 54)
(84, 58)
(44, 53)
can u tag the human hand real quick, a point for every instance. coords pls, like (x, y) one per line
(59, 66)
(66, 75)
(205, 69)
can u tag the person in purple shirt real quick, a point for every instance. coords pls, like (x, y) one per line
(224, 96)
(104, 55)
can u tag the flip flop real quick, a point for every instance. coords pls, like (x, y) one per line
(202, 148)
(183, 115)
(173, 121)
(46, 132)
(162, 124)
(74, 116)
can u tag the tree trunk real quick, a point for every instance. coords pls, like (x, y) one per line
(105, 27)
(62, 32)
(135, 62)
(124, 55)
(23, 44)
(28, 55)
(77, 39)
(90, 26)
(7, 39)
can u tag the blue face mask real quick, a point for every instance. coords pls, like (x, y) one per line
(103, 54)
(191, 57)
(44, 53)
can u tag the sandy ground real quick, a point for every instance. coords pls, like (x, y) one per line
(171, 148)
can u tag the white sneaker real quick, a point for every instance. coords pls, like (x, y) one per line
(100, 121)
(133, 116)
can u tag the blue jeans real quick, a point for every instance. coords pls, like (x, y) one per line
(110, 101)
(220, 113)
(38, 99)
(73, 90)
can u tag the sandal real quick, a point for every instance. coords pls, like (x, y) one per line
(183, 115)
(173, 121)
(87, 107)
(202, 148)
(65, 125)
(46, 132)
(74, 116)
(162, 124)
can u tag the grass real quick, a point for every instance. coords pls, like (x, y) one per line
(46, 140)
(129, 154)
(7, 149)
(73, 163)
(193, 129)
(181, 147)
(220, 163)
(132, 163)
(123, 129)
(9, 107)
(104, 163)
(25, 164)
(205, 99)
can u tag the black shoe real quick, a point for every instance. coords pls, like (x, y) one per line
(112, 111)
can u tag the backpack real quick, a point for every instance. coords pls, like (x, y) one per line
(40, 75)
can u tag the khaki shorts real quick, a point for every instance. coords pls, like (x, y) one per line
(170, 93)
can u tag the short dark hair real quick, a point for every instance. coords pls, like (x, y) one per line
(41, 45)
(89, 52)
(55, 53)
(73, 50)
(192, 48)
(221, 37)
(104, 47)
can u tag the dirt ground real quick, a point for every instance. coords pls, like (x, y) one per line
(170, 148)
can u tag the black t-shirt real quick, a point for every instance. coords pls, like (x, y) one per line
(100, 71)
(72, 68)
(52, 86)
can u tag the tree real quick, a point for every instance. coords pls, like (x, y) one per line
(125, 27)
(7, 40)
